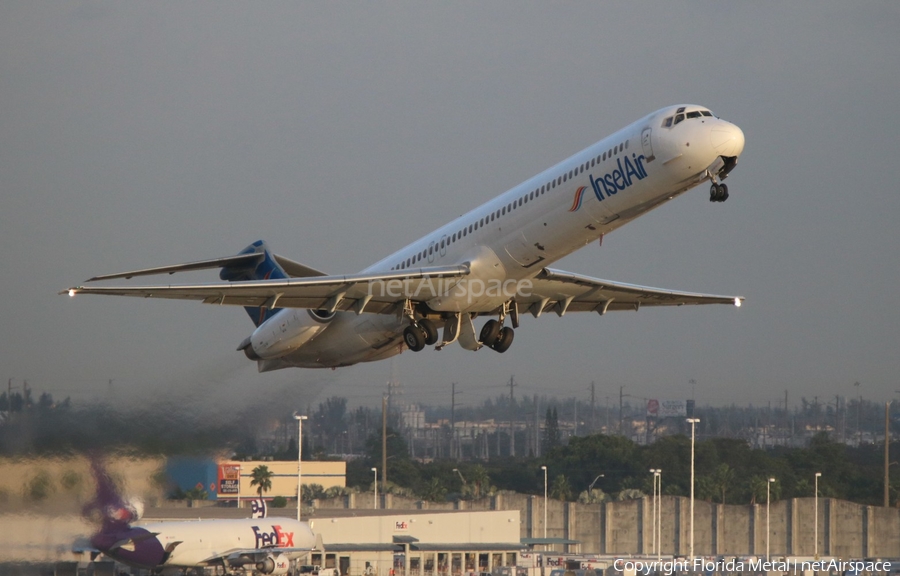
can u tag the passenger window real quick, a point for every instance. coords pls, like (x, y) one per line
(626, 144)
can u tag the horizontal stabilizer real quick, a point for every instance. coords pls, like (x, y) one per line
(249, 261)
(237, 261)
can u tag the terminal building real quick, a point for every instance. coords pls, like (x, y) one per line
(411, 543)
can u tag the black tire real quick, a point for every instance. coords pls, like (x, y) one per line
(431, 331)
(713, 192)
(490, 332)
(504, 340)
(724, 192)
(414, 338)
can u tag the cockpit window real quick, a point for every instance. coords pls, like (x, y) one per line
(680, 116)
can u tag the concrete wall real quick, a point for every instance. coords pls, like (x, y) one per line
(844, 529)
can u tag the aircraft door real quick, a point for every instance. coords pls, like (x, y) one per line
(647, 144)
(431, 250)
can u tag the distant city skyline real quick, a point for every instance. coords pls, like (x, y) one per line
(148, 134)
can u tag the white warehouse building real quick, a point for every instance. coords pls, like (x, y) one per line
(419, 544)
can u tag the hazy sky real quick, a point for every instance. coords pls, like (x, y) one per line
(136, 134)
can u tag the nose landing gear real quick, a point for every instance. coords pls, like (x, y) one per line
(718, 192)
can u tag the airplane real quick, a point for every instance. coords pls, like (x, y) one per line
(264, 544)
(492, 261)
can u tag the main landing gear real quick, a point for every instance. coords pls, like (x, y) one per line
(420, 334)
(718, 192)
(496, 336)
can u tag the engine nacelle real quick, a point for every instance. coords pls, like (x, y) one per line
(285, 332)
(277, 564)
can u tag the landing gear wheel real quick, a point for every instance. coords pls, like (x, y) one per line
(430, 330)
(490, 333)
(504, 340)
(718, 192)
(414, 338)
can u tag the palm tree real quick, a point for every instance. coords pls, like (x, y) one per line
(722, 479)
(262, 477)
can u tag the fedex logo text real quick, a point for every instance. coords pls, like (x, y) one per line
(277, 538)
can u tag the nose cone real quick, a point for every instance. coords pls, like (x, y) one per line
(727, 139)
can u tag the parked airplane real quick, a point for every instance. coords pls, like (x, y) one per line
(266, 544)
(489, 262)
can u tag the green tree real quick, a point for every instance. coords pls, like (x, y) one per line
(479, 480)
(561, 489)
(197, 493)
(595, 496)
(434, 491)
(760, 490)
(261, 477)
(312, 492)
(722, 480)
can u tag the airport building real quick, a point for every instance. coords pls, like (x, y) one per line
(229, 480)
(414, 543)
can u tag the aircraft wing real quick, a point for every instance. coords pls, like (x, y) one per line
(242, 556)
(561, 292)
(369, 292)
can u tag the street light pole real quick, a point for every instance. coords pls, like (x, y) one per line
(768, 531)
(299, 420)
(461, 477)
(239, 487)
(375, 503)
(693, 422)
(653, 513)
(544, 468)
(591, 487)
(659, 516)
(816, 523)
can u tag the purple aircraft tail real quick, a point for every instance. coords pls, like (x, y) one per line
(108, 505)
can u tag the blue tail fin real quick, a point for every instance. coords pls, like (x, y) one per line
(266, 268)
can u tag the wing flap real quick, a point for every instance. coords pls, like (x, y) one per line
(560, 291)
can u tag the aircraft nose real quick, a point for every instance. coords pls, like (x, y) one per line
(727, 139)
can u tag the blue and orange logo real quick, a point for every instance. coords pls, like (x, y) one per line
(579, 196)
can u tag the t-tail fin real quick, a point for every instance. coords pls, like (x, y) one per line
(265, 269)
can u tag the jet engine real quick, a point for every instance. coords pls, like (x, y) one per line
(277, 564)
(285, 332)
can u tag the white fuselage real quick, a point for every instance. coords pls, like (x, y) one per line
(170, 544)
(515, 235)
